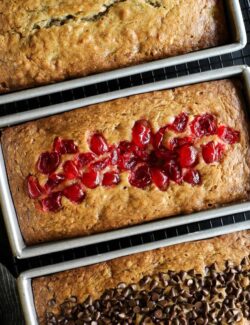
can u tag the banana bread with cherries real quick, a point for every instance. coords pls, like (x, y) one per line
(203, 282)
(129, 161)
(48, 41)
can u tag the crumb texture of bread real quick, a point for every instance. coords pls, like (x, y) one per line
(48, 41)
(124, 205)
(95, 279)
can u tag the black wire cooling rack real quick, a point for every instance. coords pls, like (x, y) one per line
(240, 57)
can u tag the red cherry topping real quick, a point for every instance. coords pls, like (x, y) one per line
(127, 161)
(64, 146)
(53, 181)
(74, 193)
(146, 159)
(180, 123)
(228, 134)
(220, 149)
(141, 153)
(100, 164)
(110, 178)
(114, 155)
(98, 144)
(129, 148)
(84, 159)
(53, 202)
(48, 162)
(158, 137)
(125, 146)
(140, 176)
(154, 161)
(211, 152)
(70, 170)
(165, 154)
(160, 178)
(141, 133)
(176, 143)
(174, 171)
(188, 156)
(192, 177)
(91, 179)
(34, 188)
(203, 125)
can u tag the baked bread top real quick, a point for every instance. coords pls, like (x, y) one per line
(194, 155)
(186, 282)
(48, 41)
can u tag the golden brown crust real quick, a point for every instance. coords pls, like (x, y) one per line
(103, 209)
(48, 41)
(93, 280)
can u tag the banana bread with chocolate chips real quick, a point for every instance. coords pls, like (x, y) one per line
(48, 41)
(129, 161)
(203, 282)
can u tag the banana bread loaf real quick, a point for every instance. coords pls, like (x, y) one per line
(129, 161)
(47, 41)
(203, 282)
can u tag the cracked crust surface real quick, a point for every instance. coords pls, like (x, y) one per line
(48, 41)
(124, 205)
(93, 280)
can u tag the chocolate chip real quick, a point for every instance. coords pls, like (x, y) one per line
(158, 313)
(105, 296)
(122, 315)
(52, 303)
(245, 261)
(183, 321)
(121, 285)
(187, 295)
(133, 302)
(151, 304)
(61, 320)
(146, 320)
(136, 309)
(162, 303)
(198, 306)
(173, 293)
(201, 321)
(80, 315)
(191, 272)
(145, 280)
(96, 315)
(234, 271)
(189, 282)
(182, 275)
(153, 284)
(163, 279)
(86, 319)
(246, 313)
(73, 299)
(164, 298)
(155, 296)
(49, 314)
(126, 292)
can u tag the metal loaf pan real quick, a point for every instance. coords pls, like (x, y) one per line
(19, 248)
(239, 40)
(25, 279)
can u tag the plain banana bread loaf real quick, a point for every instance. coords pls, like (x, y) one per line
(47, 41)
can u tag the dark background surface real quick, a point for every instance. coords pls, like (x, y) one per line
(240, 57)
